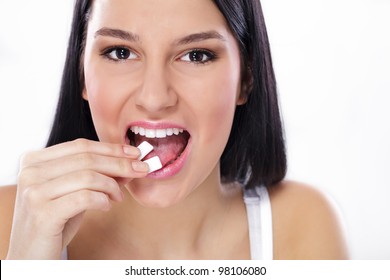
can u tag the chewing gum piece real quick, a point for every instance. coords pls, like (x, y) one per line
(154, 163)
(145, 149)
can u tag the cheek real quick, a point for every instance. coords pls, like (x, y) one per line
(105, 98)
(219, 102)
(220, 117)
(211, 101)
(214, 100)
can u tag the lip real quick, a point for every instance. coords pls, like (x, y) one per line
(152, 125)
(173, 168)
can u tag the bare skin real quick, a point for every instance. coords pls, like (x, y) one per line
(305, 226)
(95, 198)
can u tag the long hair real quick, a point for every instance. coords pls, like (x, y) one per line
(255, 153)
(73, 117)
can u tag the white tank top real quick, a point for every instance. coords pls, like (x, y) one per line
(258, 207)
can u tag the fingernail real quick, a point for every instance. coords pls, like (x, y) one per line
(140, 166)
(131, 151)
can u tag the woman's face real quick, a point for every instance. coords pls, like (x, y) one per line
(158, 68)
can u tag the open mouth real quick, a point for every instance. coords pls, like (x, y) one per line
(168, 143)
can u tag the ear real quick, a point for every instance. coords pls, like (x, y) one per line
(246, 88)
(84, 94)
(242, 99)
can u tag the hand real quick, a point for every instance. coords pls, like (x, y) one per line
(58, 184)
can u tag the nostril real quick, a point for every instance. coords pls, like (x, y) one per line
(157, 104)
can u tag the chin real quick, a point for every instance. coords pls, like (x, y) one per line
(155, 195)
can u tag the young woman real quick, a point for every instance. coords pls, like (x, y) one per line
(195, 80)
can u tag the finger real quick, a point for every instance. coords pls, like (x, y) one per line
(79, 146)
(69, 206)
(77, 181)
(106, 165)
(55, 215)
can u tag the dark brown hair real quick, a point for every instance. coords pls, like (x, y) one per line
(255, 152)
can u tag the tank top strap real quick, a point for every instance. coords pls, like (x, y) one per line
(64, 254)
(258, 207)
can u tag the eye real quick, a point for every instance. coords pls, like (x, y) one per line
(119, 53)
(198, 56)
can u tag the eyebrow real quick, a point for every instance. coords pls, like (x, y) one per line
(117, 33)
(201, 36)
(129, 36)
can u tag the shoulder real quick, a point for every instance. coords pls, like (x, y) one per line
(7, 202)
(305, 223)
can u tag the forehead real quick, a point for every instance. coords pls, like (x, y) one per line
(151, 18)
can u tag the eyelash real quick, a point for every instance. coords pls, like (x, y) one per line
(211, 56)
(106, 53)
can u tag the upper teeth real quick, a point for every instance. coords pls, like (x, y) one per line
(155, 133)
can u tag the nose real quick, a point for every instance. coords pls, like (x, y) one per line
(156, 93)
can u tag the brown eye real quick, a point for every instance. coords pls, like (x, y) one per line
(119, 53)
(198, 56)
(122, 53)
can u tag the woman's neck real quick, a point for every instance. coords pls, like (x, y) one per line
(194, 228)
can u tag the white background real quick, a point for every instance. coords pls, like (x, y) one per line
(332, 61)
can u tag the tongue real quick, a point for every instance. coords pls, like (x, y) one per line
(168, 149)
